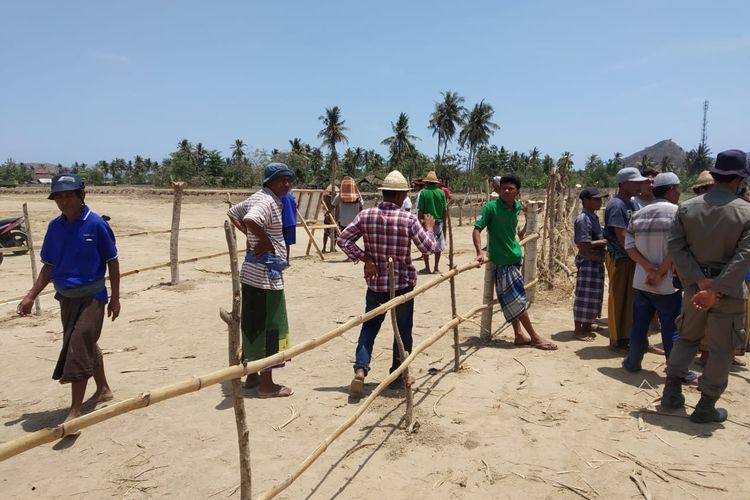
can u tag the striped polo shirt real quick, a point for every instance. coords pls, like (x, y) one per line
(263, 208)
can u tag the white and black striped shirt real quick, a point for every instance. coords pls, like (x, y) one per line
(263, 208)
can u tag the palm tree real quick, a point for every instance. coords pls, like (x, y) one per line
(296, 146)
(448, 115)
(199, 155)
(400, 144)
(238, 151)
(185, 147)
(477, 131)
(332, 134)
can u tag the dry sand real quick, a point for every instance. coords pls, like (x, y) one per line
(564, 432)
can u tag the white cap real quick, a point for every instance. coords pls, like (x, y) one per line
(666, 179)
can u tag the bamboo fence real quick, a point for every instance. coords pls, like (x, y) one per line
(34, 439)
(234, 372)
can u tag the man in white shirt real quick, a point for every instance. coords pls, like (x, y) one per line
(646, 244)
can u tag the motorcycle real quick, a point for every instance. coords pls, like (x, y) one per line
(13, 235)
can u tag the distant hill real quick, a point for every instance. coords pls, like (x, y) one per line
(666, 148)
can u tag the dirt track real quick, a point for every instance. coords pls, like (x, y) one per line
(566, 431)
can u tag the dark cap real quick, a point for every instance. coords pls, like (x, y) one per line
(65, 182)
(274, 170)
(731, 162)
(591, 192)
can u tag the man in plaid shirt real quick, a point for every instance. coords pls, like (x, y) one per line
(388, 232)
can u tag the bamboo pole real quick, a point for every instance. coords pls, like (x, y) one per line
(323, 446)
(456, 349)
(485, 332)
(165, 231)
(238, 402)
(400, 343)
(551, 228)
(34, 439)
(129, 273)
(530, 251)
(32, 255)
(178, 188)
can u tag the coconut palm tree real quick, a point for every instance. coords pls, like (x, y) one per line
(477, 131)
(332, 133)
(400, 144)
(199, 155)
(185, 147)
(238, 151)
(296, 145)
(446, 118)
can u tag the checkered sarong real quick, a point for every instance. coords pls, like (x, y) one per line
(589, 291)
(510, 291)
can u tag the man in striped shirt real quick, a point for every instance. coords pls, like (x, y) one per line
(265, 330)
(646, 244)
(387, 232)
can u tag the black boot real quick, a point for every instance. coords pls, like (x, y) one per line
(706, 411)
(672, 397)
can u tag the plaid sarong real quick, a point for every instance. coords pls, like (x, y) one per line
(589, 291)
(510, 291)
(82, 320)
(349, 190)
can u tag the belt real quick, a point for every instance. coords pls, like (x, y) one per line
(710, 272)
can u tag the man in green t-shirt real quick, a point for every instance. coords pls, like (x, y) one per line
(500, 217)
(432, 201)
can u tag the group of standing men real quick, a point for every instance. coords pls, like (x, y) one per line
(706, 239)
(648, 237)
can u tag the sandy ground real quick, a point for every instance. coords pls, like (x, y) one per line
(513, 422)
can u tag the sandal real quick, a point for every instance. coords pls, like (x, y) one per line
(357, 387)
(282, 392)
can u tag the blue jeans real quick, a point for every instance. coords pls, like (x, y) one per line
(645, 304)
(370, 328)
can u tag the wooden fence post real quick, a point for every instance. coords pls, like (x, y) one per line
(400, 344)
(32, 255)
(456, 349)
(530, 251)
(488, 296)
(238, 402)
(178, 188)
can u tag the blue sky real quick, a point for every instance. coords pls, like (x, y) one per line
(90, 80)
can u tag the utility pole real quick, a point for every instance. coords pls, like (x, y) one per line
(705, 123)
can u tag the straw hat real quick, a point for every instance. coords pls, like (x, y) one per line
(704, 179)
(431, 177)
(394, 181)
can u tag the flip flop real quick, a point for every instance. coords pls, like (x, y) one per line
(357, 387)
(282, 392)
(584, 336)
(738, 362)
(521, 344)
(544, 346)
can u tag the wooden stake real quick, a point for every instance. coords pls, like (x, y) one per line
(34, 439)
(178, 188)
(530, 251)
(32, 255)
(485, 333)
(238, 402)
(400, 344)
(456, 349)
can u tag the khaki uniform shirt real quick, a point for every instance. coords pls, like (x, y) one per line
(713, 231)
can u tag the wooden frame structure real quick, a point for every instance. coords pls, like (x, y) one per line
(310, 205)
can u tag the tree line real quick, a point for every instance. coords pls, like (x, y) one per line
(471, 162)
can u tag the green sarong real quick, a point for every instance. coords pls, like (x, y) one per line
(265, 330)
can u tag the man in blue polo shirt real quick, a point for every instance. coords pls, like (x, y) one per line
(77, 247)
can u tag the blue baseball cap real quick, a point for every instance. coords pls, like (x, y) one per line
(65, 182)
(274, 170)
